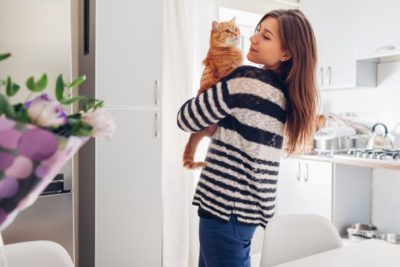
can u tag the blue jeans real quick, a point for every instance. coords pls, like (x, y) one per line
(225, 244)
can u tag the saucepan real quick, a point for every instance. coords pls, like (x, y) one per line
(389, 237)
(359, 231)
(334, 139)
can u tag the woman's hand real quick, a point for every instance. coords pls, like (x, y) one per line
(210, 130)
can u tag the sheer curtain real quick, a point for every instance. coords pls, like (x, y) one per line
(186, 35)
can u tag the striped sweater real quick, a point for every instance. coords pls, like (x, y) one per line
(249, 106)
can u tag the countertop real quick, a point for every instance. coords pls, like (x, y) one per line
(353, 161)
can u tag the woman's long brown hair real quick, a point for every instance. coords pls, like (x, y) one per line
(298, 73)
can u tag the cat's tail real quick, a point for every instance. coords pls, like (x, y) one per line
(190, 150)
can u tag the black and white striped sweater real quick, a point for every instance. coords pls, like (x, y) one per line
(241, 175)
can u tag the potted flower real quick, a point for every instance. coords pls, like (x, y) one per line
(37, 137)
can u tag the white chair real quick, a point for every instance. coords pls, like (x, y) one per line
(291, 237)
(37, 254)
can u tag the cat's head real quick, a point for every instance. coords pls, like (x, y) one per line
(224, 34)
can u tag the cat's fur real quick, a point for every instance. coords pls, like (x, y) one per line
(223, 56)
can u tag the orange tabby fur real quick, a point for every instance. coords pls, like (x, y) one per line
(223, 56)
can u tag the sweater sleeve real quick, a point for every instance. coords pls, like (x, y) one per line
(245, 87)
(206, 109)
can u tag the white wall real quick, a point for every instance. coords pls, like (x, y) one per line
(377, 104)
(380, 104)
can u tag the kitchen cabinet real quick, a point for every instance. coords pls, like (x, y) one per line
(129, 52)
(377, 28)
(128, 192)
(338, 192)
(333, 25)
(305, 187)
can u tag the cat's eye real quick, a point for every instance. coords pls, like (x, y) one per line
(227, 31)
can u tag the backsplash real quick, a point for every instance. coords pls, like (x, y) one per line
(380, 104)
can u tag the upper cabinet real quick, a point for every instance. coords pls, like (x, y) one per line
(129, 52)
(377, 28)
(352, 37)
(333, 24)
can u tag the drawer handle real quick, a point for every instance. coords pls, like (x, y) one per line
(385, 48)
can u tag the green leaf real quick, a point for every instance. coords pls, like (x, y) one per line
(21, 114)
(30, 83)
(91, 103)
(42, 83)
(4, 56)
(6, 108)
(76, 82)
(60, 88)
(72, 100)
(37, 86)
(11, 88)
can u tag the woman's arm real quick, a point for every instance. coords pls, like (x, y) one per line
(245, 87)
(206, 109)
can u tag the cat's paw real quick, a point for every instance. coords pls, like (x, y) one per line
(195, 165)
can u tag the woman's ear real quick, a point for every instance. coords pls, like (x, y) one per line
(286, 56)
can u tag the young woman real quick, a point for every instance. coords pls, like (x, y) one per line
(258, 112)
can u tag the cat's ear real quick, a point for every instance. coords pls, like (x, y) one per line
(233, 20)
(215, 25)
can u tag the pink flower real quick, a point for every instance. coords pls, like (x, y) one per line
(101, 121)
(46, 112)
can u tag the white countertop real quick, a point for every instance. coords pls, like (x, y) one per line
(354, 161)
(370, 253)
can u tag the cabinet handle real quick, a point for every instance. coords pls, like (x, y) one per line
(156, 87)
(329, 75)
(321, 70)
(385, 48)
(298, 171)
(306, 175)
(156, 130)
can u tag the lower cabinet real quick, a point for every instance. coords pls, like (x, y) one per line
(340, 193)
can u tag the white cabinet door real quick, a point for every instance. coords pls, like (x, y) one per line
(314, 11)
(340, 64)
(377, 28)
(128, 192)
(316, 189)
(288, 193)
(333, 25)
(305, 187)
(128, 52)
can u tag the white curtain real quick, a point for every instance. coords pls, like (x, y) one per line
(186, 36)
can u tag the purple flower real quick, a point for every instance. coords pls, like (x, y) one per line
(46, 112)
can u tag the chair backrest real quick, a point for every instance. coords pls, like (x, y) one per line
(291, 237)
(37, 254)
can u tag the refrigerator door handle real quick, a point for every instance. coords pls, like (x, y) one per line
(86, 27)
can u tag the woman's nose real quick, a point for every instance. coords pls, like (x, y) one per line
(252, 39)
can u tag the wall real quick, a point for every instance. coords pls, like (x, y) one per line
(380, 104)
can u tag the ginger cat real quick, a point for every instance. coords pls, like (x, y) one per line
(223, 57)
